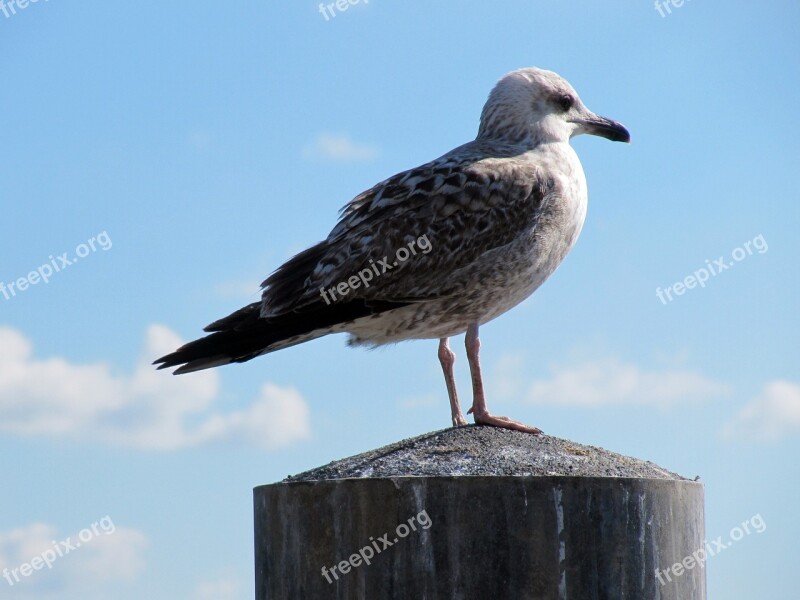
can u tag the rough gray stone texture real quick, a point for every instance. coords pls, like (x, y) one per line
(486, 451)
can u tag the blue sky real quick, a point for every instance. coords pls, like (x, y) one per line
(185, 149)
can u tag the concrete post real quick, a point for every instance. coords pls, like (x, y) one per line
(489, 515)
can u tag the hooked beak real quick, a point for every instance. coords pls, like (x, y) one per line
(611, 130)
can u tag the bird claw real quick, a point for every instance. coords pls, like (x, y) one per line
(503, 423)
(459, 421)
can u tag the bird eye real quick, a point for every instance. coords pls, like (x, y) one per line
(564, 102)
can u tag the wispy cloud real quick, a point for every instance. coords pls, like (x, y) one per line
(88, 571)
(771, 416)
(222, 589)
(340, 148)
(148, 409)
(246, 289)
(418, 402)
(608, 381)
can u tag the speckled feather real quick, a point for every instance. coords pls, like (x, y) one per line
(466, 204)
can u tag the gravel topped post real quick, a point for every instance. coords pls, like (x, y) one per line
(481, 513)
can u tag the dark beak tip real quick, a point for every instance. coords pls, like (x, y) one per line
(611, 130)
(616, 132)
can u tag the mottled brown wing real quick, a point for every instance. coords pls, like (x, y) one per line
(450, 212)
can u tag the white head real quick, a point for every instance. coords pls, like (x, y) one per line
(538, 106)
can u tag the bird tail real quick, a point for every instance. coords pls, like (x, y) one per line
(238, 337)
(244, 334)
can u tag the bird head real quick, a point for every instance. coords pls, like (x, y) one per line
(540, 106)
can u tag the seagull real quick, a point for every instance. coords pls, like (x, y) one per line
(481, 228)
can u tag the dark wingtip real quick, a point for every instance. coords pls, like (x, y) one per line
(174, 359)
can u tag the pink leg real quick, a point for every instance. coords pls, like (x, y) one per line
(479, 410)
(448, 358)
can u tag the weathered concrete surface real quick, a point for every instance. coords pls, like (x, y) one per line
(475, 450)
(507, 518)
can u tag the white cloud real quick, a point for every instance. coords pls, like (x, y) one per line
(277, 418)
(149, 409)
(223, 589)
(609, 381)
(772, 415)
(339, 147)
(87, 569)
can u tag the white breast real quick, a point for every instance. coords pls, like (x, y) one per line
(536, 256)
